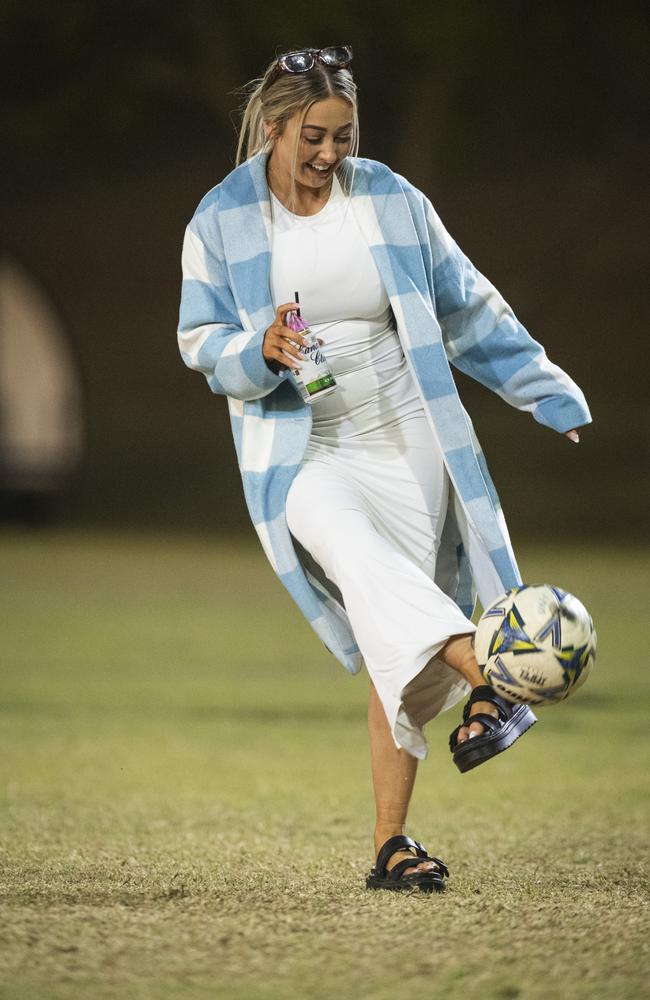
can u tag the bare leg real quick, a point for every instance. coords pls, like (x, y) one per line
(458, 653)
(393, 776)
(394, 770)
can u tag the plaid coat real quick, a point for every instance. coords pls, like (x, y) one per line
(446, 313)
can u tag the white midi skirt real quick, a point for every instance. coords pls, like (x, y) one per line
(370, 511)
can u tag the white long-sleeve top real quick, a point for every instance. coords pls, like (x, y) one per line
(326, 259)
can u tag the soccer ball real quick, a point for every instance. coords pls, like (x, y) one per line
(535, 645)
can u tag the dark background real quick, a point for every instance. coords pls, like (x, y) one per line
(525, 124)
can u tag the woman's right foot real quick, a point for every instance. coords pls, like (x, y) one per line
(404, 864)
(383, 835)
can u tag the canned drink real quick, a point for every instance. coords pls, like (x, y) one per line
(314, 375)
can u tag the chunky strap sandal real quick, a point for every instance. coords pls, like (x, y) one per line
(501, 733)
(430, 880)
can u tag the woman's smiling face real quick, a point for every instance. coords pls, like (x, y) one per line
(324, 141)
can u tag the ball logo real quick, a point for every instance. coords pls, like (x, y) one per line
(533, 677)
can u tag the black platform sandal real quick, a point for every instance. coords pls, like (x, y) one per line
(427, 881)
(499, 733)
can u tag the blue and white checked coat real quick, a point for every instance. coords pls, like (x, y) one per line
(446, 313)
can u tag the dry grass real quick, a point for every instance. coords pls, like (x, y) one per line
(187, 809)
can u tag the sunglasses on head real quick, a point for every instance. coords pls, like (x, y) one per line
(302, 60)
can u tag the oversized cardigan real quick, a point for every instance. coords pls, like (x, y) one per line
(445, 312)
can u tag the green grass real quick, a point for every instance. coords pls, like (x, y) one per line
(186, 807)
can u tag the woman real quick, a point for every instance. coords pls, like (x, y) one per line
(374, 504)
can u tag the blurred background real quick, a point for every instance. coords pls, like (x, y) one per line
(521, 121)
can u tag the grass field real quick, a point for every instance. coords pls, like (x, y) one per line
(186, 800)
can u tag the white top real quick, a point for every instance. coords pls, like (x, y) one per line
(326, 259)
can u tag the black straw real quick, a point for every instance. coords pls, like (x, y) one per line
(296, 299)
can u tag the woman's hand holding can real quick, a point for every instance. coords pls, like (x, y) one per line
(280, 343)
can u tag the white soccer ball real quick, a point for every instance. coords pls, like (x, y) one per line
(535, 645)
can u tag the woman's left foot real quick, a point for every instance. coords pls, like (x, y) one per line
(499, 727)
(472, 726)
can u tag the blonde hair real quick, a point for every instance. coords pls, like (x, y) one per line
(288, 95)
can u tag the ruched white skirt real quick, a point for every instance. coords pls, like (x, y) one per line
(370, 511)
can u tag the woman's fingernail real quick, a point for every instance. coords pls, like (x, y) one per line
(472, 735)
(573, 435)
